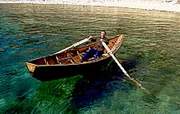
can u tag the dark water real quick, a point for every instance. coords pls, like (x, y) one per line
(151, 49)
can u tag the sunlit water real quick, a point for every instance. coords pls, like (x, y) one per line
(151, 46)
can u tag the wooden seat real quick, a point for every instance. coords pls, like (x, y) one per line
(80, 56)
(46, 62)
(58, 60)
(70, 58)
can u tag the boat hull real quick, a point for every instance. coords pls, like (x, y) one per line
(45, 73)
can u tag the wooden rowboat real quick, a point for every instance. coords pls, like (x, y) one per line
(68, 63)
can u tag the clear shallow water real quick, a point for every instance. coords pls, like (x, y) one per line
(152, 47)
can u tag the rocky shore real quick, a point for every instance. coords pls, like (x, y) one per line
(163, 5)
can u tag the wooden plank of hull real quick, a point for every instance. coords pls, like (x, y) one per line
(56, 71)
(53, 70)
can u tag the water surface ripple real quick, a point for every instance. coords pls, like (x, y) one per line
(151, 50)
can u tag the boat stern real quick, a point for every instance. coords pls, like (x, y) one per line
(31, 67)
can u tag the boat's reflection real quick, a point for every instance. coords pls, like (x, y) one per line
(97, 84)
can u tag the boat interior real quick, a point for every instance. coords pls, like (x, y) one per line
(72, 56)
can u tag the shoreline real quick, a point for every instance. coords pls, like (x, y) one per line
(147, 5)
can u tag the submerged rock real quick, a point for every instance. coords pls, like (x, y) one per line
(2, 50)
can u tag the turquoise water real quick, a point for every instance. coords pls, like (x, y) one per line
(151, 49)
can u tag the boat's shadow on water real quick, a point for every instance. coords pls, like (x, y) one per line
(97, 84)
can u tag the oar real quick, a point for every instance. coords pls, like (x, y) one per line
(75, 44)
(121, 67)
